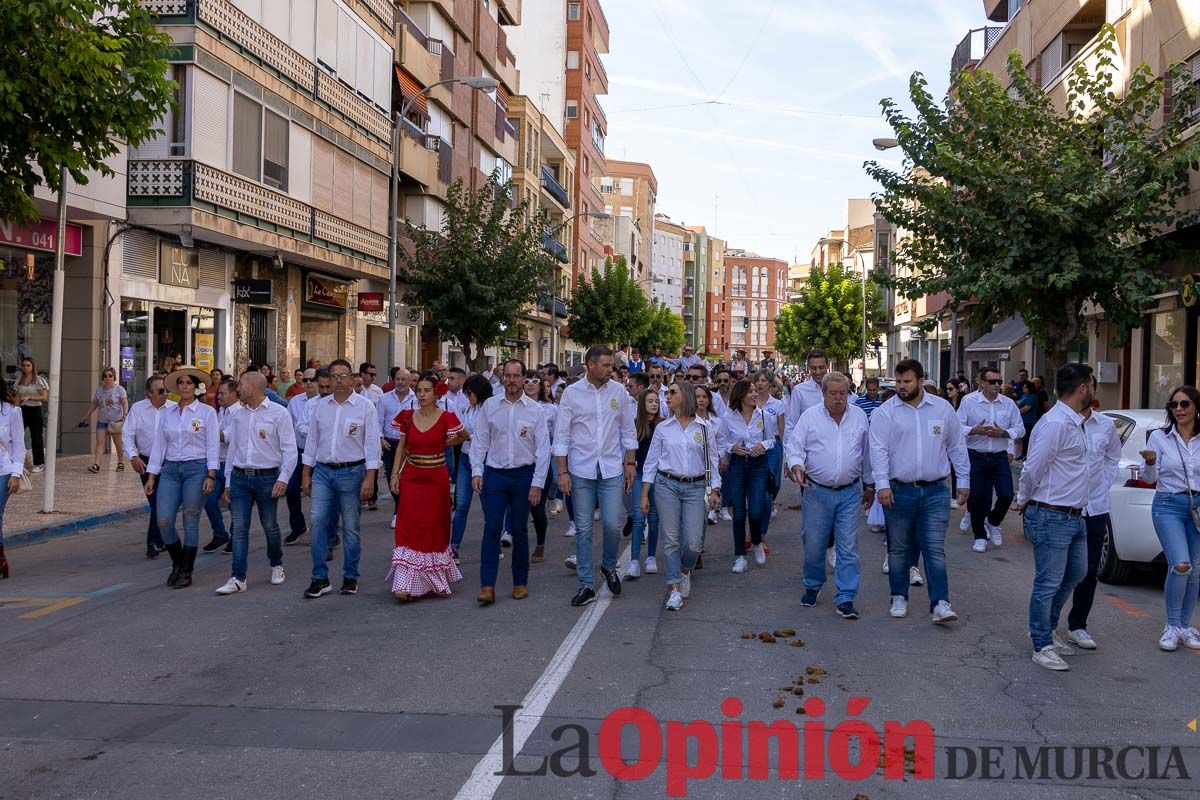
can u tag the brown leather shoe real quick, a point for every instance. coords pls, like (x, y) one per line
(487, 596)
(520, 592)
(539, 553)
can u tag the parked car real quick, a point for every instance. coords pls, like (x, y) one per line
(1131, 541)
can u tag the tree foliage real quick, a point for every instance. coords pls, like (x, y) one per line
(77, 77)
(610, 308)
(1039, 211)
(828, 315)
(664, 329)
(482, 270)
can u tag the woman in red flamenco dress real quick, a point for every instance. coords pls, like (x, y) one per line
(422, 563)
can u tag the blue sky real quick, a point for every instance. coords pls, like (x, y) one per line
(799, 84)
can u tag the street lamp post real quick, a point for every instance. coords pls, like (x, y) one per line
(480, 83)
(554, 281)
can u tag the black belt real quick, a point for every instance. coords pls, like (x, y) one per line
(833, 488)
(988, 452)
(920, 484)
(680, 479)
(251, 472)
(343, 464)
(1073, 512)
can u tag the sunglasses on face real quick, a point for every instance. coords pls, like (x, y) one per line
(159, 390)
(995, 383)
(1184, 404)
(309, 380)
(533, 381)
(340, 376)
(672, 391)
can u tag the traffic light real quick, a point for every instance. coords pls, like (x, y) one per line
(745, 322)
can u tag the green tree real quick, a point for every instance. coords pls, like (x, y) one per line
(665, 330)
(828, 315)
(1037, 211)
(610, 308)
(481, 271)
(77, 77)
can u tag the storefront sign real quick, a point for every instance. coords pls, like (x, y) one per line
(179, 265)
(1187, 291)
(204, 351)
(326, 292)
(371, 302)
(41, 236)
(127, 366)
(252, 291)
(510, 342)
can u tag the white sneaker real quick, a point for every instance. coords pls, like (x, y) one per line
(596, 515)
(712, 518)
(675, 601)
(1169, 640)
(1046, 657)
(875, 528)
(831, 557)
(760, 555)
(774, 512)
(393, 521)
(980, 546)
(232, 586)
(570, 532)
(726, 515)
(943, 613)
(36, 470)
(954, 504)
(1060, 646)
(277, 575)
(651, 566)
(634, 570)
(1082, 639)
(1189, 638)
(739, 565)
(914, 577)
(685, 584)
(506, 539)
(994, 534)
(965, 524)
(886, 567)
(899, 606)
(558, 507)
(569, 562)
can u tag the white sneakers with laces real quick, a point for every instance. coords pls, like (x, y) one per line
(899, 606)
(995, 535)
(1169, 640)
(569, 562)
(980, 546)
(570, 531)
(831, 557)
(634, 571)
(726, 514)
(1189, 638)
(232, 586)
(1060, 646)
(675, 601)
(1082, 638)
(760, 555)
(739, 565)
(886, 568)
(651, 566)
(914, 577)
(277, 575)
(943, 613)
(1046, 657)
(964, 525)
(685, 584)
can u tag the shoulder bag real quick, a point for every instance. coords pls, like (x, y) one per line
(772, 486)
(1187, 479)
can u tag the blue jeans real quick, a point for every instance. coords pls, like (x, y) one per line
(462, 501)
(640, 521)
(505, 494)
(295, 512)
(335, 493)
(916, 525)
(1181, 546)
(587, 492)
(212, 507)
(3, 504)
(181, 483)
(1060, 561)
(746, 486)
(245, 491)
(681, 513)
(829, 512)
(990, 473)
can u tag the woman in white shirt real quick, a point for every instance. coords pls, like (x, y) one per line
(477, 389)
(774, 409)
(707, 411)
(746, 435)
(12, 458)
(1172, 458)
(537, 388)
(184, 462)
(681, 466)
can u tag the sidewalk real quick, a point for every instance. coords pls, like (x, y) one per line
(81, 500)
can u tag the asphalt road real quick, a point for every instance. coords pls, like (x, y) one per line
(112, 684)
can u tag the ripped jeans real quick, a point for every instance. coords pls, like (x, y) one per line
(181, 484)
(1181, 545)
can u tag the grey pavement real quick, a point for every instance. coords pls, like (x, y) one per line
(111, 683)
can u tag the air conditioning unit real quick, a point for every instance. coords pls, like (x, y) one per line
(178, 149)
(410, 315)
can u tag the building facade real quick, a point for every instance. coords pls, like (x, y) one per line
(755, 291)
(666, 268)
(630, 192)
(586, 126)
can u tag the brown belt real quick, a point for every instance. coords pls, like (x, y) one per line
(1074, 512)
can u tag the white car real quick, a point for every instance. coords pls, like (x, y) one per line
(1131, 541)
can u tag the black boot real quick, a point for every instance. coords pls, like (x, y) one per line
(175, 550)
(3, 564)
(185, 573)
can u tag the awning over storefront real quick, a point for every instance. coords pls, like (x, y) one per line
(1002, 338)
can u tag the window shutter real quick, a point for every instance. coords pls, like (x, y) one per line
(140, 255)
(1168, 100)
(322, 174)
(247, 136)
(212, 269)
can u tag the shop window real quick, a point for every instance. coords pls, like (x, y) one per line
(135, 341)
(275, 151)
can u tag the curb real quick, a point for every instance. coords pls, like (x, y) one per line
(31, 535)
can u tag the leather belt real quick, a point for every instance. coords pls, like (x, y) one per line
(1074, 512)
(833, 488)
(344, 464)
(426, 460)
(251, 472)
(920, 484)
(680, 478)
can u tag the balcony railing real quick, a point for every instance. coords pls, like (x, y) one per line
(555, 248)
(974, 47)
(179, 182)
(556, 190)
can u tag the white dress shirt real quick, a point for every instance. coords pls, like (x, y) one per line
(455, 402)
(594, 429)
(343, 432)
(720, 406)
(1056, 466)
(975, 409)
(830, 453)
(1168, 470)
(917, 444)
(141, 426)
(187, 434)
(224, 418)
(804, 396)
(690, 361)
(390, 407)
(777, 409)
(680, 451)
(735, 430)
(1104, 451)
(373, 393)
(551, 410)
(296, 408)
(509, 435)
(12, 441)
(261, 438)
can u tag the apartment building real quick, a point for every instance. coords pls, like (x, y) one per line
(586, 125)
(630, 193)
(704, 305)
(666, 268)
(755, 290)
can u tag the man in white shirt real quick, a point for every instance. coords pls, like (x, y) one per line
(137, 437)
(1104, 459)
(227, 406)
(595, 445)
(296, 409)
(455, 400)
(915, 440)
(657, 377)
(828, 453)
(370, 384)
(689, 358)
(992, 423)
(554, 378)
(401, 398)
(261, 455)
(341, 458)
(808, 394)
(510, 455)
(1052, 494)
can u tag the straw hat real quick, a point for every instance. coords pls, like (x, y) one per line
(198, 375)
